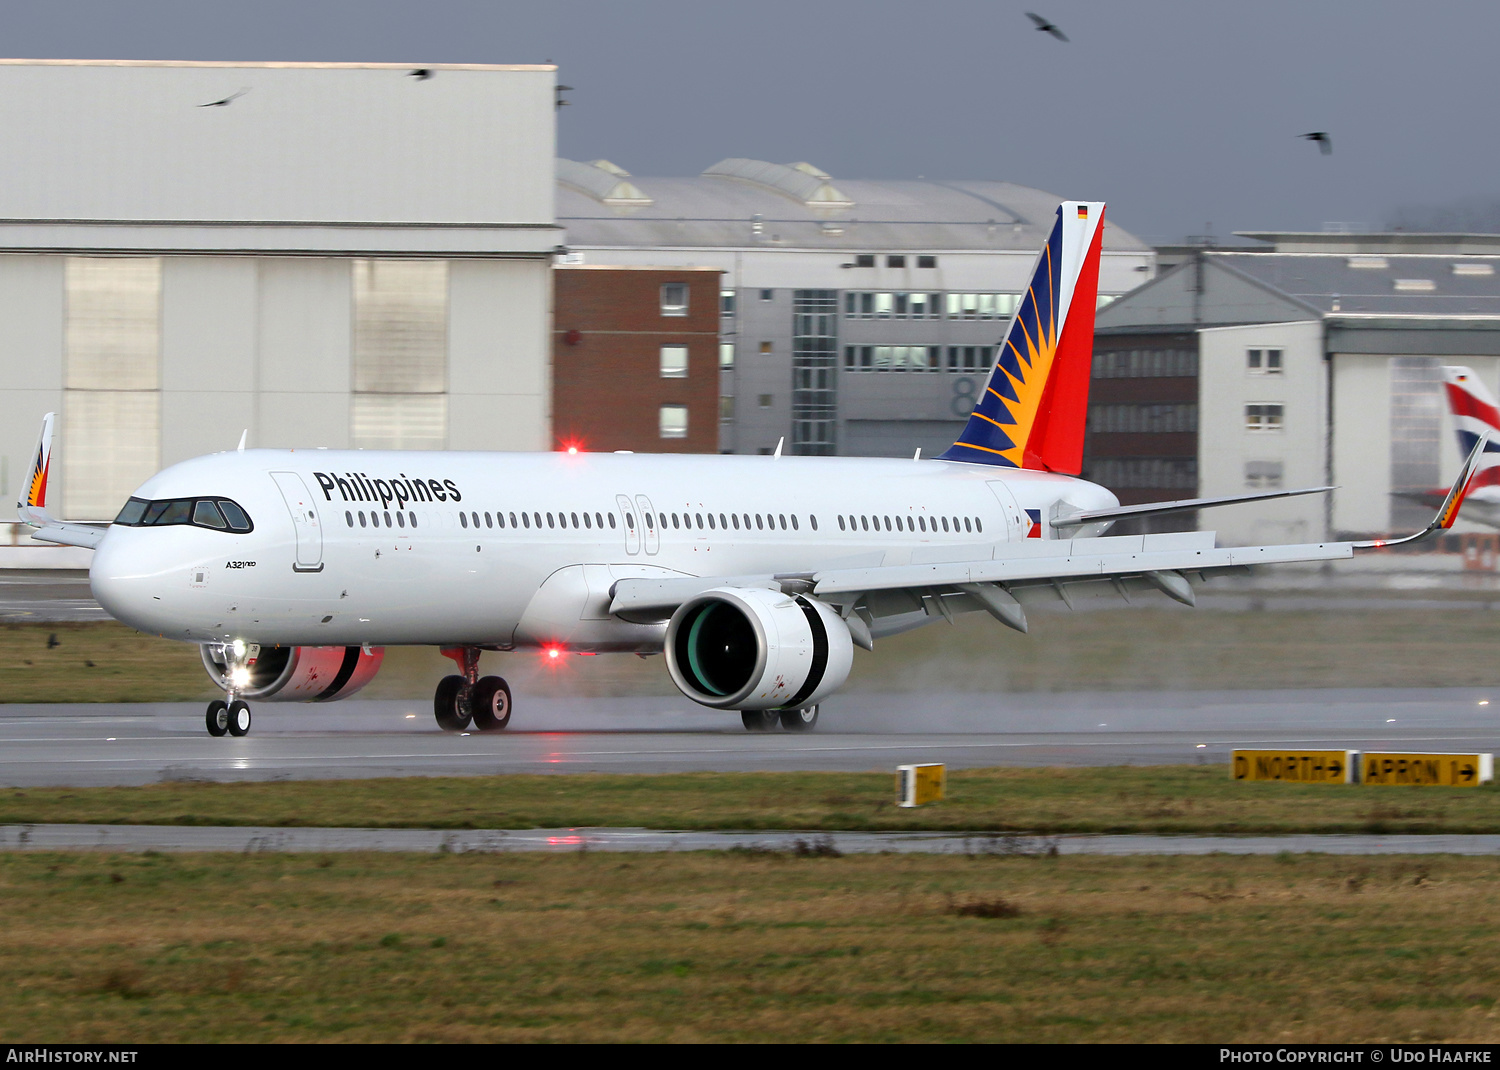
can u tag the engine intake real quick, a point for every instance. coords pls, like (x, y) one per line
(751, 648)
(299, 673)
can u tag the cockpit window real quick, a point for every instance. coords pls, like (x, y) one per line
(207, 515)
(132, 513)
(238, 521)
(218, 514)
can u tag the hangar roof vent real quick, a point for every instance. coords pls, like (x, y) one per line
(802, 182)
(603, 181)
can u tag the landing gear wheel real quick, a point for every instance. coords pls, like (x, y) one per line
(239, 718)
(449, 705)
(758, 720)
(803, 720)
(217, 717)
(491, 704)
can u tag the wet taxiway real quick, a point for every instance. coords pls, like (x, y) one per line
(68, 744)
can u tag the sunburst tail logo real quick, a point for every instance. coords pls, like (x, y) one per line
(1033, 409)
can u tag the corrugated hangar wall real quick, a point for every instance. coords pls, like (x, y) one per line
(335, 255)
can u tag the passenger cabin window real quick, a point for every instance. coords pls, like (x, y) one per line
(216, 514)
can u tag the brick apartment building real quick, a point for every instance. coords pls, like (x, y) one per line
(636, 359)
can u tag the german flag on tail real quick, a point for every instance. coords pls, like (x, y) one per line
(1033, 409)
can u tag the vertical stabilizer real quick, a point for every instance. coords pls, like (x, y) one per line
(1474, 413)
(1034, 407)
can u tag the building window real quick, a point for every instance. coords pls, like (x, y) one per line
(674, 421)
(971, 359)
(1263, 475)
(674, 362)
(1263, 417)
(764, 400)
(1143, 419)
(1146, 364)
(895, 358)
(895, 305)
(726, 407)
(814, 360)
(926, 261)
(766, 295)
(400, 359)
(1156, 473)
(674, 299)
(982, 306)
(726, 303)
(865, 260)
(765, 347)
(111, 425)
(1263, 361)
(895, 261)
(726, 354)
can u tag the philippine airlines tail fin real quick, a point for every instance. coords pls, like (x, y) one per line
(1474, 413)
(1032, 412)
(32, 505)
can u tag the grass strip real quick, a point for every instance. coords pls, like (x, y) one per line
(102, 948)
(1110, 799)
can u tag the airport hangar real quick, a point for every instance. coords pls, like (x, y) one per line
(326, 254)
(859, 317)
(1314, 359)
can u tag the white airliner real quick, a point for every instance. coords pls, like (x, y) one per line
(756, 576)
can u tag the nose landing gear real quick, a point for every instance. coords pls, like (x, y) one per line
(460, 700)
(231, 714)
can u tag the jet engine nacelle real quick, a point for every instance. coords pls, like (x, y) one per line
(750, 648)
(299, 673)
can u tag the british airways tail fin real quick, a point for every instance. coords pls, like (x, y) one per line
(1033, 410)
(1474, 413)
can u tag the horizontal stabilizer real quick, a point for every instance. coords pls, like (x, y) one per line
(1094, 516)
(87, 535)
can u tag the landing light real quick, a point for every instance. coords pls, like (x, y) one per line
(1484, 702)
(238, 646)
(239, 677)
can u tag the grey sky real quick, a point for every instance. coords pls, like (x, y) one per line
(1177, 113)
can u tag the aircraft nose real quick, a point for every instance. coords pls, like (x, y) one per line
(121, 587)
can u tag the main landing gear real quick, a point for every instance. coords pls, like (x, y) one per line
(460, 700)
(803, 720)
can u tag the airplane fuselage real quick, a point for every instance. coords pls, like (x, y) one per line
(517, 550)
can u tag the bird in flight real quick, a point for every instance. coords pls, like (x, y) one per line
(230, 99)
(1325, 143)
(1046, 26)
(421, 74)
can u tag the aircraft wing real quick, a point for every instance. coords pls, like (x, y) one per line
(887, 599)
(880, 599)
